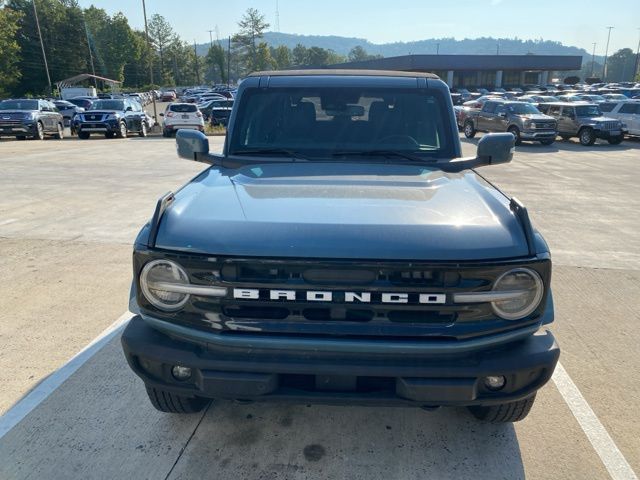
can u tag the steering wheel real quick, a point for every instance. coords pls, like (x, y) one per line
(401, 140)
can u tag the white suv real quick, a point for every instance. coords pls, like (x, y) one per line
(181, 115)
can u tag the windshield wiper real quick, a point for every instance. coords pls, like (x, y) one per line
(270, 151)
(380, 153)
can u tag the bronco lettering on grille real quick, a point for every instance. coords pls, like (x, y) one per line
(333, 296)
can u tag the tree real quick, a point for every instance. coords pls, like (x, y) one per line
(264, 60)
(300, 55)
(281, 57)
(161, 35)
(9, 50)
(216, 63)
(620, 66)
(252, 27)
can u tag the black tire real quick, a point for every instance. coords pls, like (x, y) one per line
(169, 402)
(143, 129)
(469, 129)
(60, 134)
(21, 137)
(166, 133)
(505, 412)
(548, 141)
(587, 137)
(122, 130)
(39, 135)
(83, 135)
(615, 140)
(515, 131)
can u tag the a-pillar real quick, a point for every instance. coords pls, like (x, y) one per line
(450, 78)
(499, 79)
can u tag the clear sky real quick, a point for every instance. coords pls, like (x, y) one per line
(572, 22)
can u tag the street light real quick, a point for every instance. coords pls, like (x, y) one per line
(146, 32)
(606, 52)
(593, 59)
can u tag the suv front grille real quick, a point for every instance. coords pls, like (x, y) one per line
(611, 126)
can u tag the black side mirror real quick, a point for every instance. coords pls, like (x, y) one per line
(162, 114)
(129, 109)
(194, 145)
(493, 149)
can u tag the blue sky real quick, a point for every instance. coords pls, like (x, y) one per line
(572, 22)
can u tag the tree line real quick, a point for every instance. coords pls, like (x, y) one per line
(89, 40)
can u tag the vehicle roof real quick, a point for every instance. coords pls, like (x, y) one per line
(572, 104)
(343, 72)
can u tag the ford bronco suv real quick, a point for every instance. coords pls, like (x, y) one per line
(585, 121)
(523, 120)
(339, 250)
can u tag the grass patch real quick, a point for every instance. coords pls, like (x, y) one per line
(217, 130)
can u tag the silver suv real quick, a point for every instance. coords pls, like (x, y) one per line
(585, 121)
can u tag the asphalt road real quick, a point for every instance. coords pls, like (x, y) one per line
(68, 214)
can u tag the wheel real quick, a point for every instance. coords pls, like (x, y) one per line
(143, 129)
(515, 131)
(469, 130)
(548, 142)
(39, 135)
(169, 402)
(21, 137)
(60, 134)
(83, 135)
(122, 132)
(505, 412)
(109, 134)
(615, 140)
(587, 138)
(166, 133)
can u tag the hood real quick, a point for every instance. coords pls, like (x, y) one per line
(601, 118)
(103, 112)
(342, 211)
(539, 116)
(15, 114)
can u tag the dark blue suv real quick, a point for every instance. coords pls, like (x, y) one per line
(112, 118)
(339, 250)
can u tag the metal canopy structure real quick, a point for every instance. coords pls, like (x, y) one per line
(67, 82)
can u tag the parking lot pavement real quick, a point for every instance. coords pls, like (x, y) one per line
(70, 212)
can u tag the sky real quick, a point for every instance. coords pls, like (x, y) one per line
(573, 22)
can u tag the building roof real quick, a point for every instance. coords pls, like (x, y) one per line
(469, 62)
(343, 72)
(85, 76)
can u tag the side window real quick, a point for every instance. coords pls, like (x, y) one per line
(489, 107)
(568, 112)
(500, 109)
(52, 107)
(628, 107)
(607, 107)
(554, 111)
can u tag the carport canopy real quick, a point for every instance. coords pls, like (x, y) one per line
(67, 82)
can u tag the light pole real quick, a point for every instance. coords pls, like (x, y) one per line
(438, 48)
(44, 55)
(146, 32)
(635, 70)
(593, 59)
(498, 49)
(606, 53)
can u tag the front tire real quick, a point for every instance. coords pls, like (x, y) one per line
(615, 140)
(83, 135)
(587, 137)
(122, 131)
(548, 141)
(60, 134)
(39, 135)
(169, 402)
(143, 130)
(505, 412)
(515, 131)
(469, 130)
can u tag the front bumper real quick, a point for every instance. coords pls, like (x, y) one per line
(13, 129)
(607, 134)
(103, 127)
(538, 134)
(249, 371)
(171, 128)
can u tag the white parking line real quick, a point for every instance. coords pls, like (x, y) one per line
(36, 396)
(603, 444)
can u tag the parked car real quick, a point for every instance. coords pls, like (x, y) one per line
(615, 97)
(220, 113)
(584, 121)
(28, 118)
(81, 102)
(117, 118)
(181, 115)
(522, 120)
(207, 106)
(68, 111)
(627, 111)
(168, 96)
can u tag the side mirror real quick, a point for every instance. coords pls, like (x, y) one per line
(162, 114)
(493, 149)
(129, 109)
(194, 145)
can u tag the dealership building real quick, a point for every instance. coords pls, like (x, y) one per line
(463, 71)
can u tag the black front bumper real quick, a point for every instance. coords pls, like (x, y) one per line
(17, 129)
(316, 376)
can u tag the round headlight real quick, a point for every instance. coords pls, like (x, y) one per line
(160, 282)
(527, 288)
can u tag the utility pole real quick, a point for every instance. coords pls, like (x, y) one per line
(93, 68)
(498, 49)
(593, 59)
(195, 51)
(229, 63)
(210, 38)
(44, 55)
(635, 70)
(606, 53)
(277, 17)
(146, 32)
(438, 48)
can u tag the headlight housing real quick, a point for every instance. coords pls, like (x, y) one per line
(158, 281)
(527, 288)
(112, 116)
(529, 124)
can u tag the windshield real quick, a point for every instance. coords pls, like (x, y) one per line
(321, 121)
(522, 108)
(107, 105)
(19, 105)
(588, 111)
